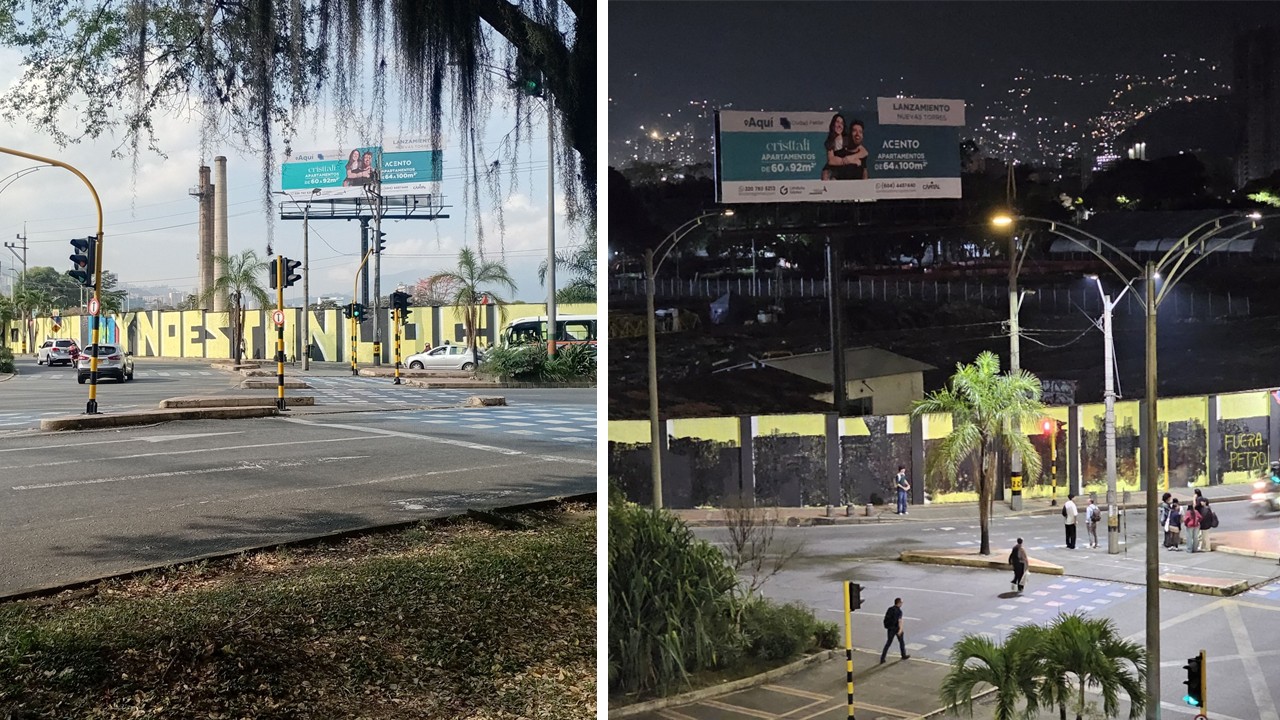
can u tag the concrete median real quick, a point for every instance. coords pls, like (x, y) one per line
(234, 401)
(971, 558)
(148, 417)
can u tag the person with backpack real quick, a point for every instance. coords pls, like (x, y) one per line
(1164, 517)
(893, 625)
(1018, 559)
(1208, 521)
(1092, 515)
(1173, 527)
(901, 484)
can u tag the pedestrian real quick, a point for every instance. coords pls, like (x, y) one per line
(1092, 515)
(893, 625)
(1069, 513)
(1173, 526)
(1164, 516)
(1018, 559)
(1191, 520)
(1208, 521)
(902, 485)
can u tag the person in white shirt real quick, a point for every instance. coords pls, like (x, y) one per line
(1069, 513)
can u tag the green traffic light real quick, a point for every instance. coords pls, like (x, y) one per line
(1190, 701)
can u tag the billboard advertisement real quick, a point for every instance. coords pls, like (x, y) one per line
(404, 169)
(909, 148)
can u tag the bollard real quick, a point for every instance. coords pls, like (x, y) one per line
(848, 510)
(1124, 499)
(869, 509)
(831, 511)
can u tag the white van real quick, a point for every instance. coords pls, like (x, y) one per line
(570, 330)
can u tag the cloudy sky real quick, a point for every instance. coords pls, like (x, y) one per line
(151, 221)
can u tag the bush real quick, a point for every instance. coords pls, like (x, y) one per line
(6, 359)
(530, 363)
(781, 632)
(670, 601)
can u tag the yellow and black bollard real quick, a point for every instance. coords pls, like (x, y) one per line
(279, 320)
(852, 601)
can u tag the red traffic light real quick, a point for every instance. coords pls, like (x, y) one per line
(1047, 427)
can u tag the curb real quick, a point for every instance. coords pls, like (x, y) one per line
(230, 402)
(924, 557)
(147, 417)
(273, 384)
(1265, 554)
(1203, 586)
(716, 690)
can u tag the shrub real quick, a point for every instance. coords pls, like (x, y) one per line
(530, 363)
(573, 361)
(779, 632)
(670, 601)
(6, 359)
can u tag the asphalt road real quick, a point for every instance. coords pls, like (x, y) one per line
(941, 604)
(81, 505)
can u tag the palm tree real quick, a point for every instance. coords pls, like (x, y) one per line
(238, 276)
(581, 267)
(468, 283)
(987, 410)
(1091, 651)
(29, 301)
(1012, 668)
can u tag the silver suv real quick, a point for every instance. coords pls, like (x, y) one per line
(62, 350)
(112, 362)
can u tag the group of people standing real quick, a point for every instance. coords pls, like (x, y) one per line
(846, 155)
(1197, 517)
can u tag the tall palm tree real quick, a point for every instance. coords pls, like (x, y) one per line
(1092, 652)
(987, 410)
(239, 277)
(581, 268)
(1011, 667)
(8, 313)
(469, 283)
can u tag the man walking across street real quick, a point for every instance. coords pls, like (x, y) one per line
(1069, 513)
(1018, 559)
(902, 485)
(893, 625)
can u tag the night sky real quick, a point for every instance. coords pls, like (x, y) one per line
(793, 55)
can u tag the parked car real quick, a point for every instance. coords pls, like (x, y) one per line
(57, 350)
(112, 362)
(445, 357)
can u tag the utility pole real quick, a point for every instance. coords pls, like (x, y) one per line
(377, 267)
(306, 289)
(1015, 365)
(551, 230)
(22, 279)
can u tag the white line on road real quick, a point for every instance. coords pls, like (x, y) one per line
(444, 441)
(244, 465)
(186, 452)
(117, 441)
(944, 592)
(1257, 678)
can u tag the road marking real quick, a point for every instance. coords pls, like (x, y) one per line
(152, 438)
(796, 692)
(241, 466)
(1257, 679)
(944, 592)
(186, 452)
(444, 441)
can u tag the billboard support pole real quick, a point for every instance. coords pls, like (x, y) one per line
(838, 388)
(364, 272)
(377, 268)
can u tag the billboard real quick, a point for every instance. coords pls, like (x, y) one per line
(908, 148)
(407, 168)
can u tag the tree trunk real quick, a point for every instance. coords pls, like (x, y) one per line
(1080, 707)
(984, 505)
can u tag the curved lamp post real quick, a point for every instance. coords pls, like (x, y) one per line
(1201, 240)
(650, 269)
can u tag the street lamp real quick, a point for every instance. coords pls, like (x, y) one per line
(650, 269)
(1016, 258)
(1108, 363)
(1197, 241)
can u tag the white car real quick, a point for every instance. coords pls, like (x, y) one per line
(113, 361)
(57, 351)
(445, 357)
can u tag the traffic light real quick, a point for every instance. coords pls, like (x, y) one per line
(1195, 681)
(346, 310)
(527, 78)
(855, 596)
(291, 274)
(380, 243)
(273, 270)
(84, 259)
(400, 301)
(1047, 426)
(357, 312)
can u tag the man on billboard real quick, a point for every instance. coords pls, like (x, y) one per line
(855, 167)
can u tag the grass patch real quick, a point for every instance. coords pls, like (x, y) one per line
(445, 620)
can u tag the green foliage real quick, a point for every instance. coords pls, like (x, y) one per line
(6, 359)
(987, 410)
(670, 601)
(530, 363)
(466, 286)
(581, 266)
(1038, 665)
(781, 632)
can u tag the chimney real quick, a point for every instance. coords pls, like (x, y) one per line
(220, 301)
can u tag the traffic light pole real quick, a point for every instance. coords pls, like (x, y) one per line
(355, 320)
(280, 274)
(395, 320)
(90, 408)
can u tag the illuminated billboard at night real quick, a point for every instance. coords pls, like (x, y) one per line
(403, 168)
(907, 148)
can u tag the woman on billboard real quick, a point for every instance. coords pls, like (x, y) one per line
(359, 169)
(844, 160)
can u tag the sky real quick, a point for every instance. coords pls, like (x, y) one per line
(796, 55)
(151, 221)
